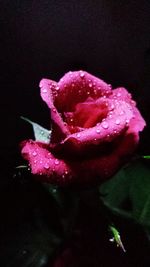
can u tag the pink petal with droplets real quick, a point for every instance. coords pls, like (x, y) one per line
(75, 87)
(43, 163)
(48, 88)
(106, 131)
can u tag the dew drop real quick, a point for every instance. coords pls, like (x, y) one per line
(110, 86)
(42, 132)
(78, 134)
(44, 90)
(133, 102)
(57, 88)
(118, 94)
(73, 85)
(98, 131)
(112, 107)
(90, 85)
(117, 121)
(46, 166)
(121, 112)
(63, 176)
(82, 74)
(54, 190)
(56, 161)
(105, 125)
(34, 153)
(127, 121)
(35, 161)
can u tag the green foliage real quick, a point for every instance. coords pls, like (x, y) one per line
(41, 134)
(128, 193)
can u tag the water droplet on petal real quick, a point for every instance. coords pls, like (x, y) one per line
(63, 176)
(90, 85)
(117, 121)
(118, 94)
(54, 110)
(105, 125)
(98, 130)
(133, 102)
(82, 74)
(110, 86)
(56, 161)
(121, 112)
(34, 153)
(46, 166)
(57, 88)
(78, 134)
(127, 121)
(112, 107)
(42, 132)
(44, 90)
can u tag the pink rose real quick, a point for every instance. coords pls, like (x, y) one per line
(94, 130)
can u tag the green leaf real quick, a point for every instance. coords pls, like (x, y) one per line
(140, 193)
(41, 134)
(128, 193)
(115, 193)
(116, 237)
(146, 157)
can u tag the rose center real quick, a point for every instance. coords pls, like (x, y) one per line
(87, 114)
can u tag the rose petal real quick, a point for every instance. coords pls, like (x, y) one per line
(76, 86)
(137, 122)
(48, 88)
(121, 93)
(88, 114)
(106, 131)
(43, 163)
(57, 171)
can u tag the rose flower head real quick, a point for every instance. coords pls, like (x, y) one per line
(95, 130)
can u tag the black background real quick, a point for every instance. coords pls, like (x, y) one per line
(110, 39)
